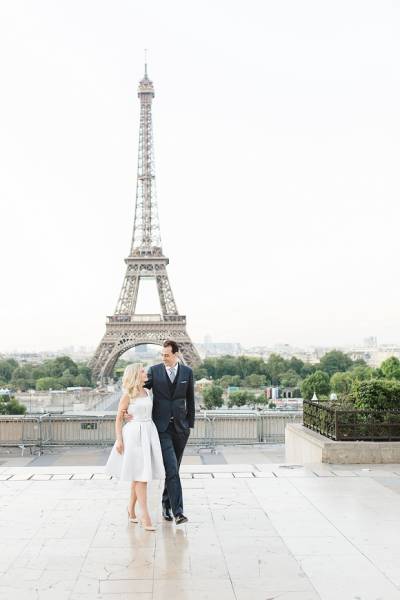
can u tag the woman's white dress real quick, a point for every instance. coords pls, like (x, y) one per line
(141, 459)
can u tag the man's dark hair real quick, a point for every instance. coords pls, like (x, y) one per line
(173, 344)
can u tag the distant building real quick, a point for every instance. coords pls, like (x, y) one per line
(360, 355)
(370, 342)
(272, 393)
(382, 354)
(219, 349)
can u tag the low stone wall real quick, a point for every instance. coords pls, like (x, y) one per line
(304, 446)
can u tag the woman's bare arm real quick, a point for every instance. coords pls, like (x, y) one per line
(122, 408)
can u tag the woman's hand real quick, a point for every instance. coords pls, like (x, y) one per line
(119, 446)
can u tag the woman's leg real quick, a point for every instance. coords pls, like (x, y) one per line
(132, 501)
(141, 493)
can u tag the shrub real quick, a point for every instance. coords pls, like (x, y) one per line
(10, 406)
(318, 382)
(213, 396)
(391, 368)
(379, 394)
(48, 383)
(240, 398)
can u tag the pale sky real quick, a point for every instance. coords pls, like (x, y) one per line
(277, 128)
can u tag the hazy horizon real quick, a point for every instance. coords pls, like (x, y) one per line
(276, 131)
(76, 348)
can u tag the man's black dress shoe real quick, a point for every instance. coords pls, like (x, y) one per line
(167, 514)
(179, 519)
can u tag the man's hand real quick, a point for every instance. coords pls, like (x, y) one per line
(126, 416)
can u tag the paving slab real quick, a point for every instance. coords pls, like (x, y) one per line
(255, 532)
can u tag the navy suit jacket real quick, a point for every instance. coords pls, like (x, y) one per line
(172, 401)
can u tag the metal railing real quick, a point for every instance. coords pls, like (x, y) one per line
(24, 431)
(344, 424)
(78, 430)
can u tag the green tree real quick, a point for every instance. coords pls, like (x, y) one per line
(212, 396)
(301, 368)
(85, 371)
(334, 362)
(317, 382)
(209, 366)
(226, 365)
(81, 381)
(276, 366)
(290, 378)
(200, 373)
(48, 383)
(391, 368)
(57, 366)
(361, 372)
(217, 367)
(22, 378)
(67, 379)
(12, 362)
(379, 394)
(122, 363)
(241, 366)
(341, 383)
(297, 365)
(10, 406)
(240, 398)
(250, 365)
(254, 380)
(261, 399)
(39, 371)
(359, 362)
(6, 369)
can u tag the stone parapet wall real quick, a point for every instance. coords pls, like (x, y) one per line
(303, 446)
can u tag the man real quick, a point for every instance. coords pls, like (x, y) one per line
(173, 414)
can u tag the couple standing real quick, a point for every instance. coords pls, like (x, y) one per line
(150, 444)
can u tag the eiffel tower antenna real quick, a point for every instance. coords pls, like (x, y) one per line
(125, 328)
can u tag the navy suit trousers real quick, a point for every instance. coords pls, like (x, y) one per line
(173, 444)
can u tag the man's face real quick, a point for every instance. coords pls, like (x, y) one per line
(168, 357)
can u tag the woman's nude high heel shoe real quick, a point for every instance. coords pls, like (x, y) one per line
(131, 519)
(147, 527)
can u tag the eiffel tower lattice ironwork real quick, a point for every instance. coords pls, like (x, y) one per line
(126, 329)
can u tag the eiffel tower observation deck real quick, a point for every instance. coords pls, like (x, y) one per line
(126, 328)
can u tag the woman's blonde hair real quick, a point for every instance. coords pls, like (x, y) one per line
(131, 380)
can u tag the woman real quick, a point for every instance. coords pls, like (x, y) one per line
(136, 455)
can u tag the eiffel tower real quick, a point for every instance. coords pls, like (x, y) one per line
(126, 329)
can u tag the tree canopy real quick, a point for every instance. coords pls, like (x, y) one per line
(57, 373)
(317, 383)
(213, 396)
(335, 362)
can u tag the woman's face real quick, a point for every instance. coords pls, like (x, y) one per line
(143, 375)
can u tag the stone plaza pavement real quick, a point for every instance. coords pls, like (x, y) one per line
(256, 532)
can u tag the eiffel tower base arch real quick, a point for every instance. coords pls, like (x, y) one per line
(122, 336)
